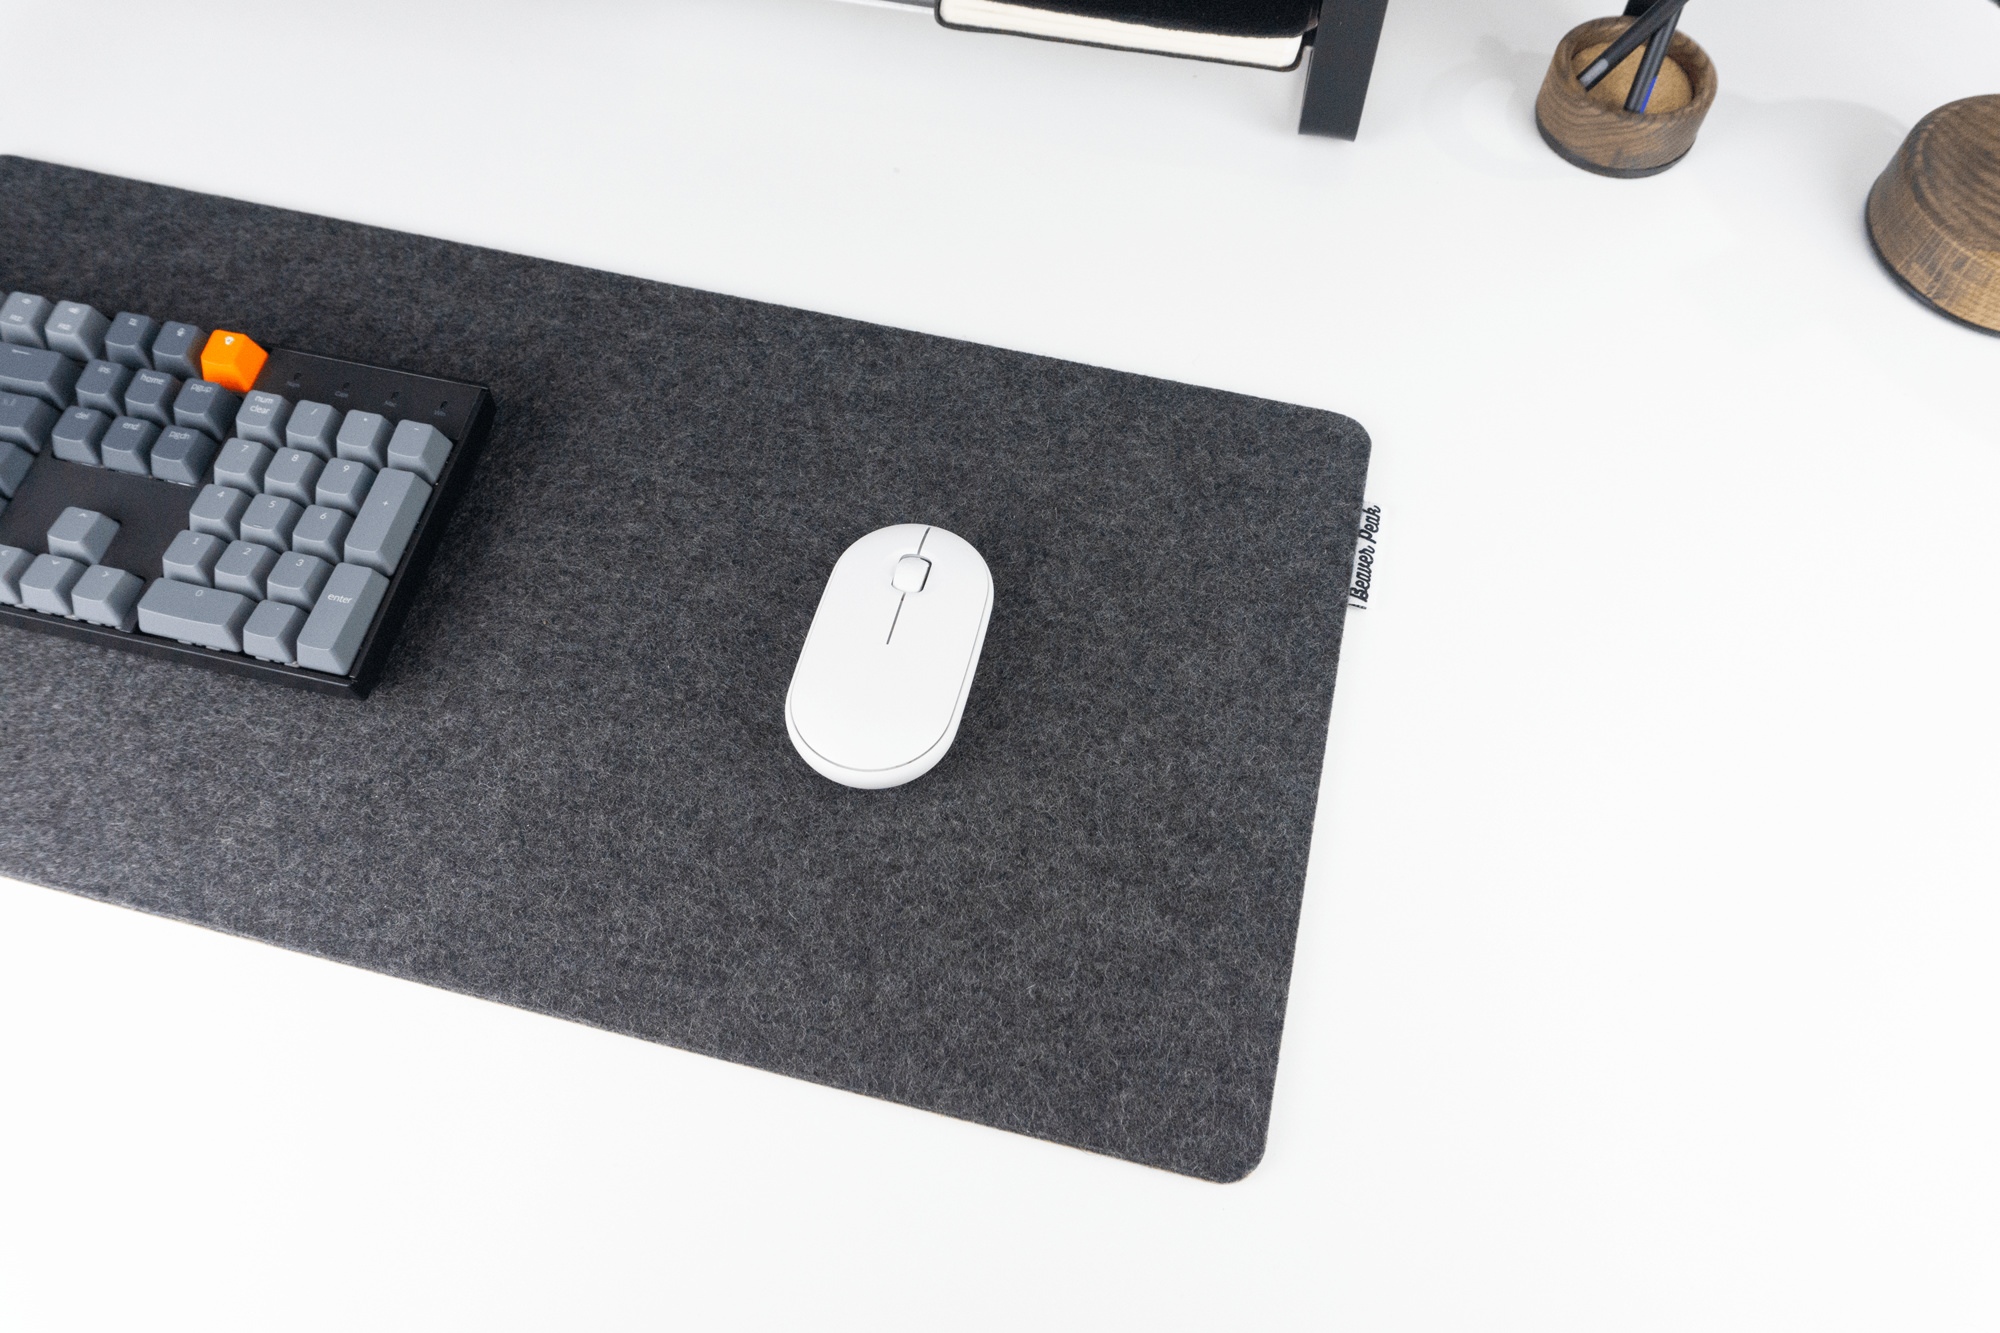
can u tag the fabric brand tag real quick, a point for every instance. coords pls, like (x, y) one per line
(1364, 557)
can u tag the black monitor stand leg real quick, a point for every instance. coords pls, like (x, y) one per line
(1338, 66)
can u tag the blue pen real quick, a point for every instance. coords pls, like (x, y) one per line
(1657, 13)
(1649, 64)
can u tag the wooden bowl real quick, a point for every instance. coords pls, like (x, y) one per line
(1934, 215)
(1593, 130)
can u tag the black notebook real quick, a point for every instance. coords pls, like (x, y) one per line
(1266, 33)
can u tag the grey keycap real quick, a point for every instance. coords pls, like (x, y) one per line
(191, 557)
(75, 330)
(364, 437)
(262, 418)
(383, 527)
(102, 386)
(82, 534)
(208, 617)
(312, 427)
(22, 317)
(272, 632)
(47, 584)
(150, 396)
(269, 521)
(177, 350)
(340, 619)
(294, 474)
(26, 421)
(129, 341)
(297, 579)
(14, 464)
(77, 435)
(182, 455)
(49, 376)
(322, 531)
(344, 485)
(106, 596)
(242, 464)
(128, 446)
(218, 510)
(420, 448)
(243, 568)
(206, 407)
(14, 563)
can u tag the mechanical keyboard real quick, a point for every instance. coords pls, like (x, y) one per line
(188, 494)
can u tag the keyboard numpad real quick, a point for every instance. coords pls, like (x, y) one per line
(128, 446)
(182, 455)
(49, 376)
(243, 568)
(207, 617)
(77, 435)
(218, 510)
(129, 341)
(47, 584)
(242, 464)
(191, 557)
(82, 534)
(106, 596)
(322, 531)
(102, 386)
(294, 474)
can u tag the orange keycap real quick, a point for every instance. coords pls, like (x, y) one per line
(232, 360)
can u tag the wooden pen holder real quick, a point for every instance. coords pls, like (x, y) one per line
(1593, 130)
(1935, 213)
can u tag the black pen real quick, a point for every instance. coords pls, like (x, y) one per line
(1649, 65)
(1657, 13)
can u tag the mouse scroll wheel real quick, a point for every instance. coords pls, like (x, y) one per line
(911, 571)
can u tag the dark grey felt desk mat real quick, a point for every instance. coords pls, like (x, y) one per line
(573, 791)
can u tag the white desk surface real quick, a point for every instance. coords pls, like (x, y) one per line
(1650, 969)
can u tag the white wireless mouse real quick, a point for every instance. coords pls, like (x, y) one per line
(882, 681)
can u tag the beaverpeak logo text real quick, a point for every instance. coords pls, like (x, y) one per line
(1364, 556)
